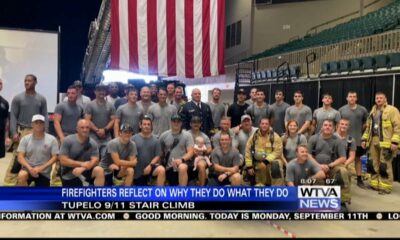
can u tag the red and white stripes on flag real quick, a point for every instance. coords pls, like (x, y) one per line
(168, 37)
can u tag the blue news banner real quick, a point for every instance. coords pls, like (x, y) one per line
(178, 203)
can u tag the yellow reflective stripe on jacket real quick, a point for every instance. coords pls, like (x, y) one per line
(385, 186)
(384, 144)
(271, 157)
(396, 138)
(373, 183)
(386, 123)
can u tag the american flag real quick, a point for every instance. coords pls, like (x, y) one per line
(168, 37)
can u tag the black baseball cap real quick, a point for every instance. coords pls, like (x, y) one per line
(126, 128)
(241, 91)
(176, 117)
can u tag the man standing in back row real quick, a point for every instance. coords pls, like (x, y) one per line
(23, 107)
(299, 112)
(217, 108)
(357, 115)
(279, 109)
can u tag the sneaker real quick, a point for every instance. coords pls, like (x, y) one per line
(361, 184)
(343, 207)
(84, 182)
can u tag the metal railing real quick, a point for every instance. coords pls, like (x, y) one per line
(383, 43)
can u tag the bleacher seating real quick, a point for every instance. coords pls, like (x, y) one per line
(383, 61)
(384, 19)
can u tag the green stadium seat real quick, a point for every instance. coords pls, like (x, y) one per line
(334, 67)
(381, 61)
(344, 65)
(368, 63)
(325, 68)
(394, 60)
(355, 64)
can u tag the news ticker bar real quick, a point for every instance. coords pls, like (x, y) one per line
(200, 216)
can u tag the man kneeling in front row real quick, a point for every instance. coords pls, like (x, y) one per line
(79, 158)
(302, 170)
(120, 158)
(36, 153)
(226, 162)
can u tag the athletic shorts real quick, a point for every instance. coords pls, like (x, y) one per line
(360, 151)
(41, 181)
(76, 182)
(173, 177)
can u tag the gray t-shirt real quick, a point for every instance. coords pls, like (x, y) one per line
(243, 138)
(130, 114)
(77, 151)
(101, 116)
(147, 149)
(39, 151)
(296, 172)
(23, 107)
(300, 115)
(145, 106)
(167, 140)
(291, 145)
(115, 146)
(326, 151)
(279, 117)
(229, 159)
(82, 101)
(217, 111)
(70, 115)
(349, 143)
(321, 114)
(357, 118)
(215, 139)
(161, 116)
(257, 113)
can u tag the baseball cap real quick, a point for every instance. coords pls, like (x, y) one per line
(176, 117)
(126, 128)
(101, 87)
(195, 119)
(244, 117)
(38, 117)
(241, 91)
(77, 83)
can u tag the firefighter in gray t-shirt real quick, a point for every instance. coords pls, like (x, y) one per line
(161, 113)
(323, 113)
(299, 112)
(302, 170)
(177, 151)
(226, 161)
(101, 115)
(328, 151)
(36, 153)
(79, 158)
(148, 155)
(120, 158)
(66, 115)
(357, 115)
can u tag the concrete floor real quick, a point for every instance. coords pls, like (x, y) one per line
(362, 200)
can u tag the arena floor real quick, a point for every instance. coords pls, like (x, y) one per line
(362, 200)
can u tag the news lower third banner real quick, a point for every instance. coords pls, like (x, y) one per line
(304, 198)
(178, 203)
